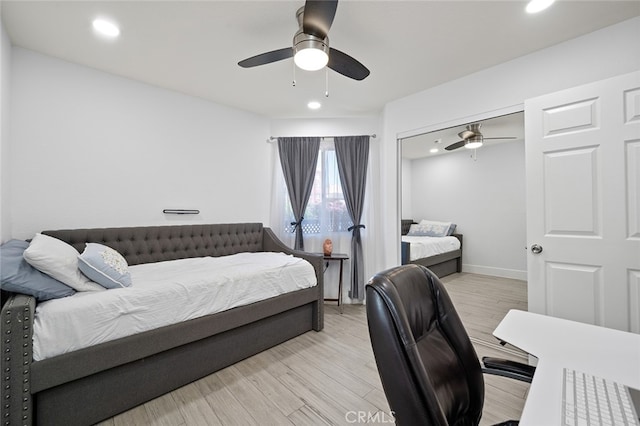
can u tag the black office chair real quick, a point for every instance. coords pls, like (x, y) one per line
(429, 369)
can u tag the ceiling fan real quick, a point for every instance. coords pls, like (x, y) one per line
(472, 138)
(311, 49)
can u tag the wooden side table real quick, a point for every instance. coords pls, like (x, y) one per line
(340, 257)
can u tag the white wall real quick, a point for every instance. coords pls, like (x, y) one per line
(601, 54)
(346, 126)
(5, 96)
(90, 149)
(485, 197)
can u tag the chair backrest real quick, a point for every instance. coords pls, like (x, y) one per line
(429, 369)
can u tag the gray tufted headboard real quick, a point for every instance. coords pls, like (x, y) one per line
(147, 244)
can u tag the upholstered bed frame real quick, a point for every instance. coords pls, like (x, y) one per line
(88, 385)
(441, 264)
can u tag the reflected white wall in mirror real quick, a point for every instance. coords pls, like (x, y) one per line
(482, 190)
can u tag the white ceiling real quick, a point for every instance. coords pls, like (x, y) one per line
(193, 46)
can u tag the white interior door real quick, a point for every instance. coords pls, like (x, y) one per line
(583, 203)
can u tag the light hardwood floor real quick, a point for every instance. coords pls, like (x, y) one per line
(331, 377)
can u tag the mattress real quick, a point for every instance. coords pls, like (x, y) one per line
(165, 293)
(430, 246)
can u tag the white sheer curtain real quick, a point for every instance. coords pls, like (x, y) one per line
(327, 212)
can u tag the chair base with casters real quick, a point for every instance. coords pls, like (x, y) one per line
(429, 369)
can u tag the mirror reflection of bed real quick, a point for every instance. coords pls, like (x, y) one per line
(433, 244)
(482, 190)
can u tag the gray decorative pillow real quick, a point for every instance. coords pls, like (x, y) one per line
(17, 276)
(105, 266)
(428, 230)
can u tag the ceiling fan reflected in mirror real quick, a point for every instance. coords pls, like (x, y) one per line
(310, 50)
(472, 138)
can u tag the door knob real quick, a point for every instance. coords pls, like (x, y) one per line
(536, 249)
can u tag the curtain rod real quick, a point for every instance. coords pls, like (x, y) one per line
(273, 138)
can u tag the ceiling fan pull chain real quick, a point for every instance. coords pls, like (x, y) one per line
(294, 73)
(326, 82)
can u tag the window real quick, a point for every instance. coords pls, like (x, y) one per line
(326, 211)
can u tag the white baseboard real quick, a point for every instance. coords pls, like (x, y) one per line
(495, 272)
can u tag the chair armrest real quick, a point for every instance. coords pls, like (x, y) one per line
(506, 368)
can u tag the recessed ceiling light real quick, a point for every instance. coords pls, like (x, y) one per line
(314, 105)
(433, 150)
(106, 28)
(535, 6)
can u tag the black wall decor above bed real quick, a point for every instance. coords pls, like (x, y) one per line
(180, 211)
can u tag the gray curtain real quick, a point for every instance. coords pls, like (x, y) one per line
(352, 154)
(298, 157)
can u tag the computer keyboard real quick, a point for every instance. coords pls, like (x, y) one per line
(590, 400)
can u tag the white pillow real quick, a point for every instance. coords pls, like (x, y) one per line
(105, 266)
(59, 260)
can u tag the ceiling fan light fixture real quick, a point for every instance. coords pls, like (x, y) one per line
(473, 145)
(311, 59)
(310, 53)
(473, 142)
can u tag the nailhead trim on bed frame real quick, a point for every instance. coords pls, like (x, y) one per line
(16, 325)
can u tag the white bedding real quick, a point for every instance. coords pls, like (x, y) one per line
(430, 246)
(165, 293)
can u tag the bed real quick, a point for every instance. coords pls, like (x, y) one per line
(442, 255)
(86, 384)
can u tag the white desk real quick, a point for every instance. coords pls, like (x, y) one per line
(559, 343)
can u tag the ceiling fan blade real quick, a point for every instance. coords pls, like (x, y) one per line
(455, 146)
(502, 137)
(267, 58)
(346, 65)
(318, 17)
